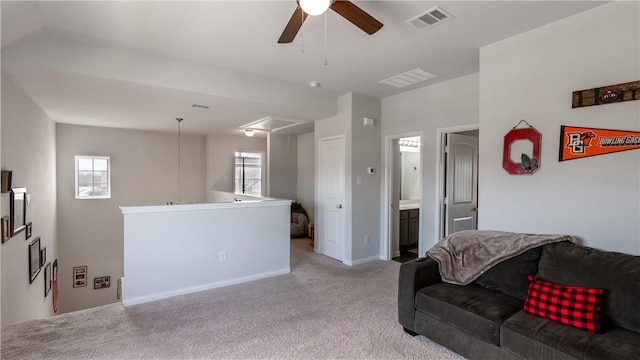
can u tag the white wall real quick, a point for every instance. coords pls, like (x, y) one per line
(532, 76)
(175, 249)
(427, 109)
(144, 171)
(306, 173)
(28, 149)
(410, 176)
(220, 155)
(366, 151)
(283, 166)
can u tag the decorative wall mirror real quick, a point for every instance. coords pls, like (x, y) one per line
(18, 210)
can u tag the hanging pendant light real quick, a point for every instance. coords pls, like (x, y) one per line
(179, 170)
(314, 7)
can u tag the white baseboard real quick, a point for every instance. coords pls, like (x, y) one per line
(189, 290)
(395, 254)
(361, 261)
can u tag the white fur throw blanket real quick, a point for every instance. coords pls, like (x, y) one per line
(464, 256)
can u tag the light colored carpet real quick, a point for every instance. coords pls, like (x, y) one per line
(321, 310)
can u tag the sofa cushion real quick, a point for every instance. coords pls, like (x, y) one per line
(533, 337)
(470, 308)
(618, 274)
(570, 305)
(510, 276)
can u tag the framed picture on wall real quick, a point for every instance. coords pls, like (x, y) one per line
(79, 276)
(6, 233)
(47, 279)
(29, 230)
(54, 285)
(102, 282)
(34, 259)
(6, 181)
(18, 210)
(43, 256)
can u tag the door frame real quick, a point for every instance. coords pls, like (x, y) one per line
(319, 236)
(387, 189)
(440, 174)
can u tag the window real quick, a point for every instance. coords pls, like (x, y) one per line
(93, 177)
(248, 173)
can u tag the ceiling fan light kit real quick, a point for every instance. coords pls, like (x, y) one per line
(346, 9)
(314, 7)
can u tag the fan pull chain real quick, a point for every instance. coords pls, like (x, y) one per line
(326, 62)
(301, 32)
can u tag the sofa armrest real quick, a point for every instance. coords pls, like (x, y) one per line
(414, 275)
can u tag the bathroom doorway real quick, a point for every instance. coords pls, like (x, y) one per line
(403, 196)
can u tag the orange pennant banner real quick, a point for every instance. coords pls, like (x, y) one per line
(580, 142)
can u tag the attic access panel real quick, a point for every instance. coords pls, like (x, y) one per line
(272, 124)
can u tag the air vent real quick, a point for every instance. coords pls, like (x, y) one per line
(430, 18)
(408, 78)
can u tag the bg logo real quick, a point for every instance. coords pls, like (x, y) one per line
(579, 141)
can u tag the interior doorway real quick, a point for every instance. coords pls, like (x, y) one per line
(402, 196)
(458, 208)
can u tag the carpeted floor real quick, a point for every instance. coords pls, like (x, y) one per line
(321, 310)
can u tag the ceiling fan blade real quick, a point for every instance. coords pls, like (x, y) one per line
(292, 28)
(357, 16)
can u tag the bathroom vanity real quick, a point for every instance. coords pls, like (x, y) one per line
(409, 226)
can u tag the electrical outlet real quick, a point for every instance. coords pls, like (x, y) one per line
(222, 256)
(366, 239)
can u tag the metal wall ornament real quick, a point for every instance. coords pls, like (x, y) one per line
(529, 163)
(580, 142)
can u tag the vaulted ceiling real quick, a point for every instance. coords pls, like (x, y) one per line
(141, 64)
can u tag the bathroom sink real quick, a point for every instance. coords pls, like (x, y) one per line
(409, 206)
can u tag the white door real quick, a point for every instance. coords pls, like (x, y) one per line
(331, 189)
(461, 192)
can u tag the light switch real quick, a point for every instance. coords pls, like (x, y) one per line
(369, 121)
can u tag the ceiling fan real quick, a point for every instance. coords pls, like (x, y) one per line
(344, 8)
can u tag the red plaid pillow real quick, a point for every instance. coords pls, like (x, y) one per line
(570, 305)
